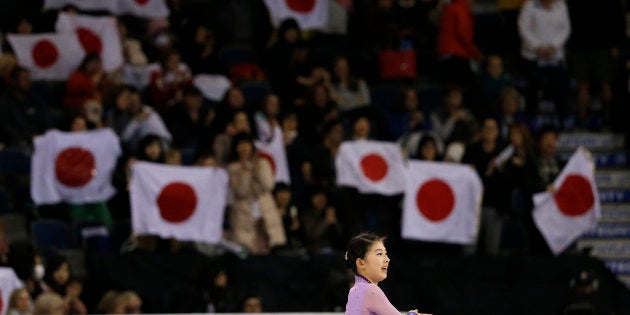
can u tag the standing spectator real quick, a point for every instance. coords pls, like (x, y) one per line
(167, 82)
(254, 220)
(318, 110)
(544, 27)
(324, 173)
(493, 81)
(407, 116)
(238, 123)
(428, 149)
(189, 121)
(233, 101)
(510, 110)
(59, 279)
(321, 228)
(267, 118)
(88, 83)
(200, 51)
(23, 115)
(144, 121)
(290, 215)
(298, 158)
(456, 46)
(598, 30)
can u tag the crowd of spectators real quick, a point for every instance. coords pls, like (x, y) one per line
(319, 91)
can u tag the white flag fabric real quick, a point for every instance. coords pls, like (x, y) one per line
(75, 167)
(48, 56)
(8, 282)
(143, 8)
(183, 202)
(212, 86)
(274, 152)
(371, 167)
(309, 14)
(85, 5)
(442, 202)
(573, 208)
(96, 34)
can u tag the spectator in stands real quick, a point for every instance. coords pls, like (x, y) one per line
(23, 115)
(494, 80)
(35, 281)
(189, 121)
(239, 123)
(129, 302)
(50, 303)
(132, 48)
(254, 220)
(298, 156)
(75, 122)
(8, 62)
(151, 149)
(351, 92)
(428, 148)
(456, 46)
(88, 83)
(290, 216)
(167, 82)
(267, 118)
(597, 33)
(544, 27)
(200, 51)
(117, 103)
(252, 304)
(510, 111)
(220, 295)
(481, 155)
(323, 156)
(452, 122)
(144, 120)
(19, 303)
(59, 279)
(360, 128)
(322, 230)
(172, 157)
(233, 101)
(107, 305)
(407, 116)
(319, 109)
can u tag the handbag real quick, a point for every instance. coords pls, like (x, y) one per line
(397, 64)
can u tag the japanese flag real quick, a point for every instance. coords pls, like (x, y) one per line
(143, 8)
(274, 152)
(183, 202)
(48, 56)
(309, 14)
(573, 207)
(371, 167)
(442, 202)
(75, 167)
(96, 34)
(8, 282)
(85, 5)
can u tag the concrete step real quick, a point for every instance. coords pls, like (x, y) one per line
(607, 179)
(615, 213)
(614, 195)
(618, 248)
(592, 141)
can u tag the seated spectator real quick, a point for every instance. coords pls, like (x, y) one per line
(190, 122)
(350, 92)
(322, 230)
(428, 149)
(233, 101)
(167, 82)
(406, 116)
(318, 110)
(129, 302)
(360, 129)
(239, 123)
(267, 118)
(452, 122)
(252, 304)
(23, 115)
(151, 149)
(50, 303)
(88, 83)
(144, 120)
(59, 279)
(254, 220)
(20, 303)
(117, 103)
(510, 110)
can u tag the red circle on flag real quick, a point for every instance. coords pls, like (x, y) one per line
(45, 53)
(435, 200)
(75, 167)
(374, 167)
(265, 155)
(91, 42)
(177, 202)
(575, 196)
(301, 6)
(141, 2)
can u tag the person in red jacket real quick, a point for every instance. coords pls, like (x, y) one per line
(88, 83)
(456, 46)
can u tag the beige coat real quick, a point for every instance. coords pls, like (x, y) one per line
(252, 185)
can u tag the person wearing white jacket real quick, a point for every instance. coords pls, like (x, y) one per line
(544, 27)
